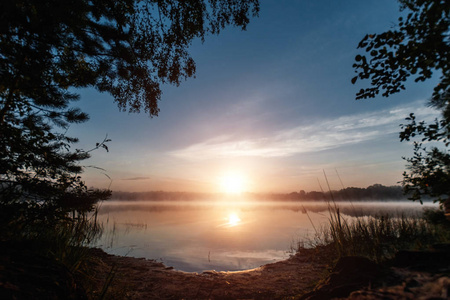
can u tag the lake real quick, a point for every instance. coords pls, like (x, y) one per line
(222, 235)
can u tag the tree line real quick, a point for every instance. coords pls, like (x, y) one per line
(376, 192)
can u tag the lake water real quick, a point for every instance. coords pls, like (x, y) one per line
(221, 235)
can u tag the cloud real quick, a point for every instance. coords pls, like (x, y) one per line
(137, 178)
(318, 136)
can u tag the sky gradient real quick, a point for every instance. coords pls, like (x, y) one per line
(273, 104)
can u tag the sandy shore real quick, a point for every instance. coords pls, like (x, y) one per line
(409, 275)
(136, 278)
(139, 278)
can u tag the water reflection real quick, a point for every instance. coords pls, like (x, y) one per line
(233, 220)
(196, 236)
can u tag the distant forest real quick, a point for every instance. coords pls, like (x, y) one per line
(376, 192)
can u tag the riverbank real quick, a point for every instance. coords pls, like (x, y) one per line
(306, 275)
(136, 278)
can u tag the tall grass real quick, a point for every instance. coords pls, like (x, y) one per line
(69, 241)
(379, 237)
(64, 240)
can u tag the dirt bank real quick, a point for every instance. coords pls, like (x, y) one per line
(412, 275)
(146, 279)
(307, 275)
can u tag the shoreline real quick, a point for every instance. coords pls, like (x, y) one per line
(306, 275)
(309, 274)
(140, 278)
(215, 266)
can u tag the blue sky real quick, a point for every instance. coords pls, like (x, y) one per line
(272, 105)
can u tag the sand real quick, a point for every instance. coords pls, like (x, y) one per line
(138, 278)
(309, 270)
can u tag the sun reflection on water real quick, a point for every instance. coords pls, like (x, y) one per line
(233, 220)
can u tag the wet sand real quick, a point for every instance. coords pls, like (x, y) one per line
(138, 278)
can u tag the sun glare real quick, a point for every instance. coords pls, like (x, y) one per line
(232, 183)
(233, 219)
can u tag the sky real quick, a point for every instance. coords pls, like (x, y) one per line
(271, 107)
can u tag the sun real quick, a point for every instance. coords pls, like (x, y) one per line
(232, 183)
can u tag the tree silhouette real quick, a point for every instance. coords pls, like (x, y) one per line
(51, 48)
(419, 47)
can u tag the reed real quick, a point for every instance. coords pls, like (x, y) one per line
(379, 237)
(66, 241)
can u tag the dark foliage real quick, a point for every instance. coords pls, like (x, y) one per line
(50, 48)
(419, 47)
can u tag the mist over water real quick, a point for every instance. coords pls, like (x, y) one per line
(194, 236)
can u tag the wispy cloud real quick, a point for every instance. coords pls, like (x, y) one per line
(318, 136)
(137, 178)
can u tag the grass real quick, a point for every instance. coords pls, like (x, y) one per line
(380, 237)
(66, 242)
